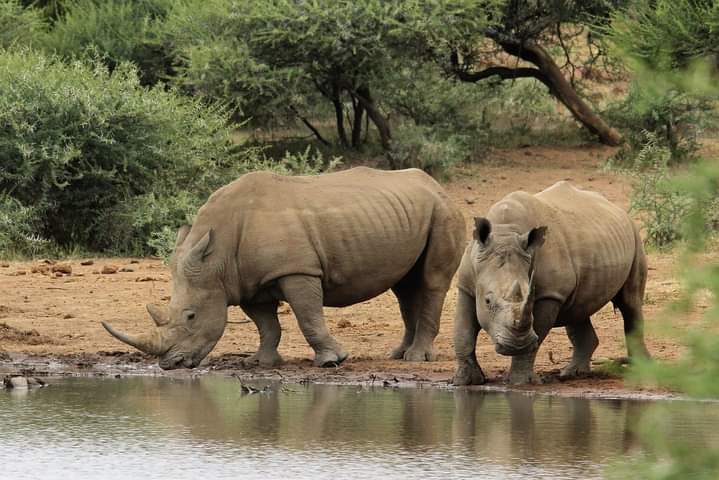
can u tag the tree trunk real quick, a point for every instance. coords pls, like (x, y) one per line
(561, 88)
(357, 124)
(339, 114)
(382, 124)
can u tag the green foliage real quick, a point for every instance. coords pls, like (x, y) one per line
(424, 148)
(675, 105)
(214, 61)
(117, 30)
(83, 145)
(18, 25)
(674, 118)
(662, 206)
(665, 34)
(18, 224)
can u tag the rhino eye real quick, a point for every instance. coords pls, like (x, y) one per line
(189, 316)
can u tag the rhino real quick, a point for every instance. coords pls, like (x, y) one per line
(542, 261)
(329, 240)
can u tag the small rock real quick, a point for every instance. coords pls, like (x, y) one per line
(109, 269)
(62, 268)
(16, 382)
(127, 269)
(469, 201)
(47, 261)
(96, 272)
(344, 323)
(87, 262)
(68, 315)
(20, 272)
(145, 279)
(42, 268)
(58, 274)
(4, 265)
(134, 261)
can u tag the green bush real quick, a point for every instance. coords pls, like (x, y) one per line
(116, 30)
(674, 118)
(18, 224)
(213, 61)
(661, 205)
(86, 147)
(424, 148)
(18, 25)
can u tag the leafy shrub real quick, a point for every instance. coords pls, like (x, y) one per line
(117, 30)
(663, 207)
(88, 146)
(674, 118)
(424, 148)
(18, 225)
(213, 61)
(18, 25)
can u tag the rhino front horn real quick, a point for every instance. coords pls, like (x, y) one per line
(147, 343)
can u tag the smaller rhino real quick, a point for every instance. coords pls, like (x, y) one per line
(542, 261)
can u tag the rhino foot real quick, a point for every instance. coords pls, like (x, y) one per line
(573, 370)
(523, 378)
(264, 359)
(418, 355)
(330, 358)
(468, 375)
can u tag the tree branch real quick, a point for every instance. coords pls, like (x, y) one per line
(309, 125)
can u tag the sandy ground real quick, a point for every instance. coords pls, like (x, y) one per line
(48, 316)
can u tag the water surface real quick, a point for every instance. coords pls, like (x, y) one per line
(159, 427)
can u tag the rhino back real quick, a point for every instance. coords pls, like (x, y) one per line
(361, 230)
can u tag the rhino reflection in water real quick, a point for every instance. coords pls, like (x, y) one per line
(334, 240)
(517, 285)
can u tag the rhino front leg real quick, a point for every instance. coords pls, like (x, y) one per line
(466, 329)
(305, 296)
(522, 369)
(584, 341)
(264, 315)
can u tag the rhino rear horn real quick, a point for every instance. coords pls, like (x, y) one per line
(158, 314)
(515, 294)
(150, 344)
(192, 261)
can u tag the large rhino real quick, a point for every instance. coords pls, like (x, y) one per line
(517, 285)
(334, 239)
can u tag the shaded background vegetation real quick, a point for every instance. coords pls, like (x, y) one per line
(119, 117)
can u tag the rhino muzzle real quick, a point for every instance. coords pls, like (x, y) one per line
(511, 346)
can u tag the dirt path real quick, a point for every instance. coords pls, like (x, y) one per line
(46, 315)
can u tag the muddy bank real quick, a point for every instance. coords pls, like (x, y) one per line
(118, 364)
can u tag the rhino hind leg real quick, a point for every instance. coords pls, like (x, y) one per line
(584, 341)
(305, 296)
(421, 308)
(630, 300)
(264, 315)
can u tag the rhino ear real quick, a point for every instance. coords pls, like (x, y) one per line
(482, 229)
(192, 262)
(534, 238)
(182, 233)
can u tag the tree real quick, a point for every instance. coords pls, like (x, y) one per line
(475, 40)
(337, 46)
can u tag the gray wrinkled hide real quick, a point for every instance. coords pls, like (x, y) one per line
(334, 240)
(592, 254)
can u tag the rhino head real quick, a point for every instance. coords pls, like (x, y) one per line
(504, 282)
(189, 329)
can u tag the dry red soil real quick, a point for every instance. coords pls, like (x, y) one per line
(58, 316)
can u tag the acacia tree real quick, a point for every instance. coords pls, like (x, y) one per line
(474, 40)
(337, 45)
